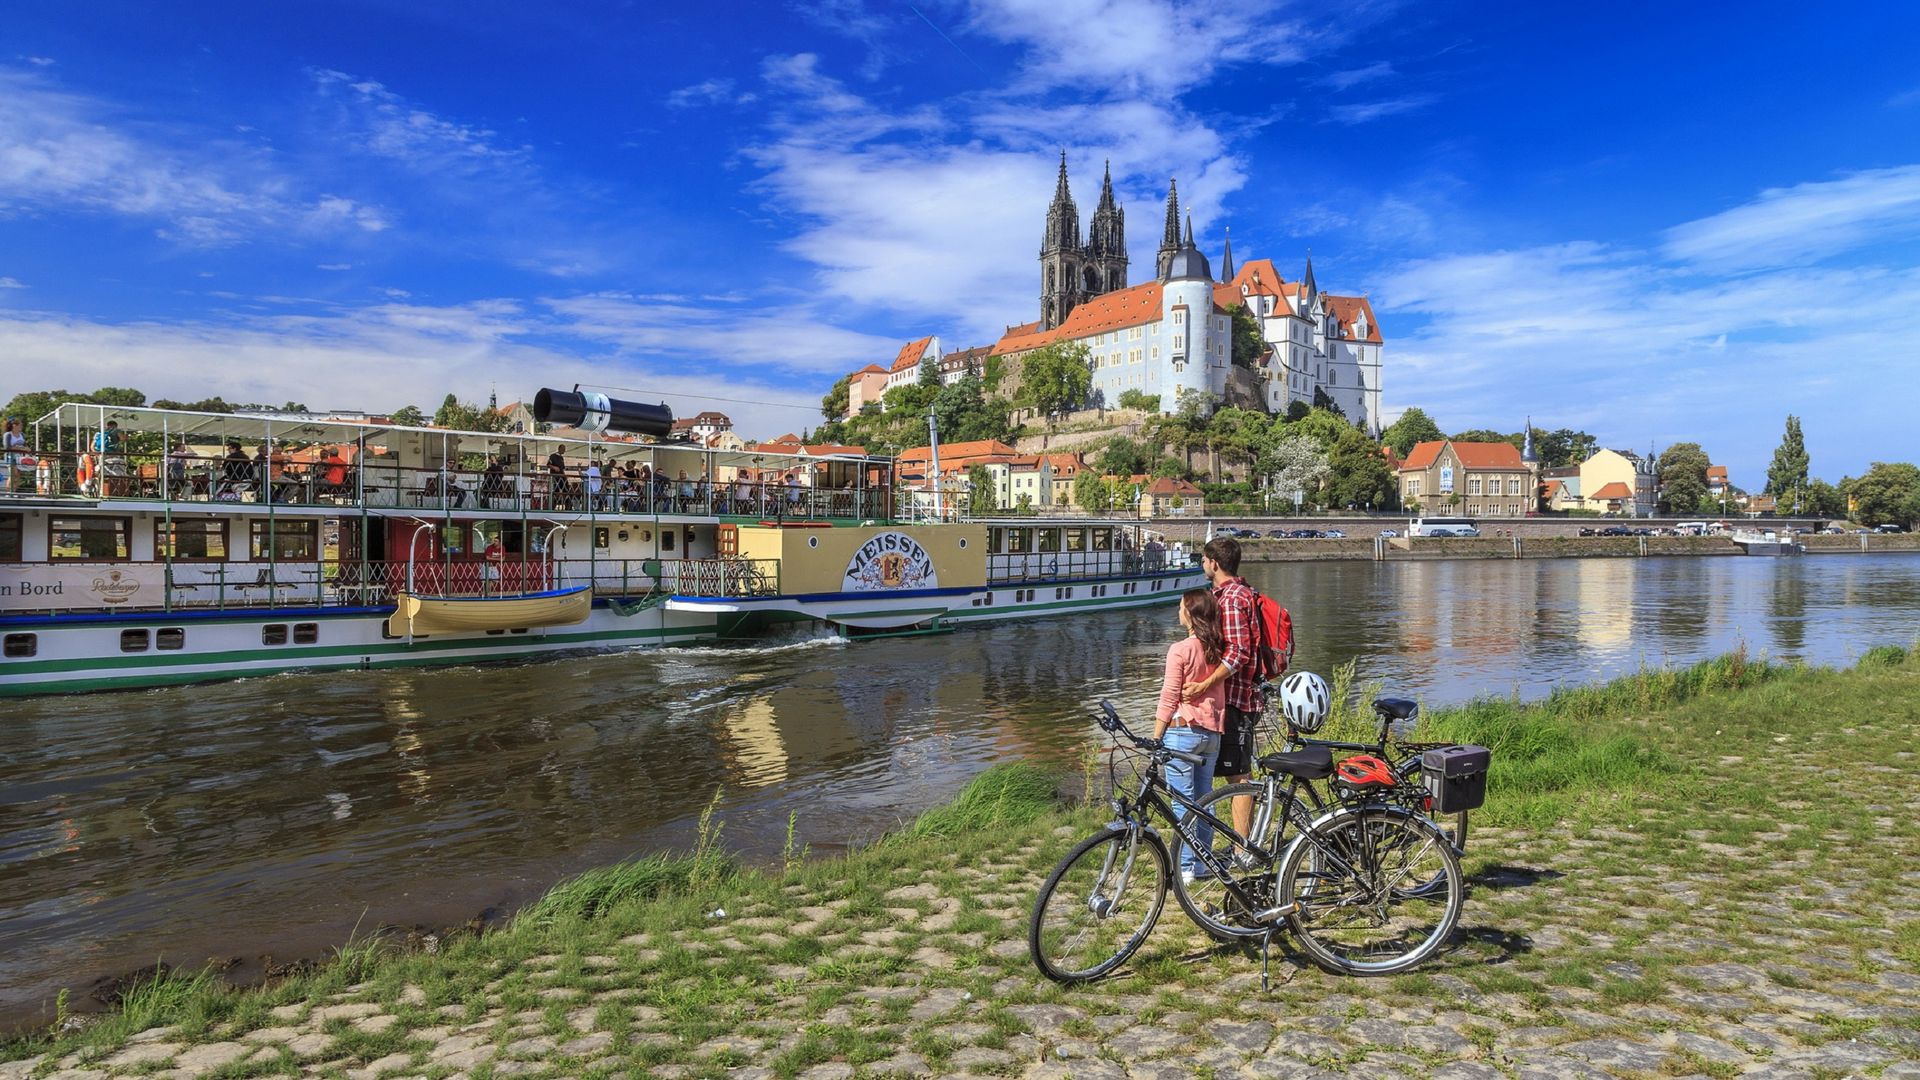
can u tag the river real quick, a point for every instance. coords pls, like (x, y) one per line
(272, 816)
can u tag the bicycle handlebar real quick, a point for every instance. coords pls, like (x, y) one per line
(1110, 721)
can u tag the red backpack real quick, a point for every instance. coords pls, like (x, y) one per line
(1273, 636)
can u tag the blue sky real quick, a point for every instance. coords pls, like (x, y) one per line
(1653, 222)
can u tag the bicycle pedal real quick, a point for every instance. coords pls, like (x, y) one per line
(1275, 914)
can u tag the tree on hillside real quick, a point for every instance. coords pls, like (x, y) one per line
(457, 414)
(408, 416)
(1888, 494)
(1248, 342)
(1358, 477)
(1123, 457)
(214, 404)
(1787, 476)
(834, 405)
(1238, 435)
(967, 414)
(1097, 494)
(1414, 426)
(1295, 465)
(1139, 399)
(1323, 427)
(982, 498)
(1322, 400)
(1682, 468)
(1297, 410)
(1055, 378)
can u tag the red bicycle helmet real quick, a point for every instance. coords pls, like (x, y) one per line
(1364, 771)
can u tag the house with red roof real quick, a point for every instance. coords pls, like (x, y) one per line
(1467, 479)
(865, 387)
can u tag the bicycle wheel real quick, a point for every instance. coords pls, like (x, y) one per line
(1379, 889)
(1098, 905)
(1206, 900)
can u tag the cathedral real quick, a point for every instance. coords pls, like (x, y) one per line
(1171, 337)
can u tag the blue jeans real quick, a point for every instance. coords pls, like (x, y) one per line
(1193, 781)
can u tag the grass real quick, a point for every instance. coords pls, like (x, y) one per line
(1634, 787)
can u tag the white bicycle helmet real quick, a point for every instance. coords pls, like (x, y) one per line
(1305, 702)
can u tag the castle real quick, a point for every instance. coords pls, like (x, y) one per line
(1172, 337)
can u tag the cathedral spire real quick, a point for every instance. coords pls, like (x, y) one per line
(1226, 261)
(1060, 192)
(1189, 240)
(1171, 239)
(1308, 289)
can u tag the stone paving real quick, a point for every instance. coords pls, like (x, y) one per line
(1599, 955)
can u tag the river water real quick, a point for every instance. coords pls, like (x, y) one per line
(270, 816)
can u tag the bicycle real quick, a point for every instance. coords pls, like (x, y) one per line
(1289, 793)
(1338, 885)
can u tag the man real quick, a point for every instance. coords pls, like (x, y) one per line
(1220, 559)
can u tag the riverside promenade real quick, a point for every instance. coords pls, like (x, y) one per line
(1713, 872)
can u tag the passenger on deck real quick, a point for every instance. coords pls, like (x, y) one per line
(592, 476)
(177, 459)
(558, 488)
(493, 482)
(236, 474)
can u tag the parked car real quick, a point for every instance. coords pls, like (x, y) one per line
(1390, 534)
(1834, 530)
(1229, 530)
(1888, 528)
(1334, 534)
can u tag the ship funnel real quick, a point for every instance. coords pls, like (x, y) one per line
(598, 412)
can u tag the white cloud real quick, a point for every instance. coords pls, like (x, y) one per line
(1342, 80)
(710, 92)
(1905, 98)
(334, 266)
(1150, 48)
(11, 283)
(62, 151)
(391, 127)
(39, 61)
(1804, 223)
(1374, 110)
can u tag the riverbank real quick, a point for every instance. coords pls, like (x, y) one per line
(1400, 549)
(1706, 871)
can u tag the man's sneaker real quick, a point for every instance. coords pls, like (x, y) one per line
(1245, 860)
(1188, 877)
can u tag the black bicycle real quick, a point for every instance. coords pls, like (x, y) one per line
(1345, 884)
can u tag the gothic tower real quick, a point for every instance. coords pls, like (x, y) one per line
(1107, 241)
(1170, 239)
(1061, 256)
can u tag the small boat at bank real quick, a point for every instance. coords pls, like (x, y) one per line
(1767, 543)
(419, 616)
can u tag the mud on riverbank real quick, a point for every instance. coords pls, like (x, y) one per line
(1702, 871)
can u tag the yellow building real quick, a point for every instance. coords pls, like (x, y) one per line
(1632, 473)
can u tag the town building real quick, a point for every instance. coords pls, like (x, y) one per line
(1633, 475)
(701, 427)
(1467, 479)
(1169, 497)
(866, 387)
(1717, 482)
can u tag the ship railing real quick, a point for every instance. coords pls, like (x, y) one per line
(1011, 567)
(377, 484)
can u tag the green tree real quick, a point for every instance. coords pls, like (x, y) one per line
(929, 372)
(982, 498)
(1413, 427)
(1124, 457)
(1297, 410)
(834, 405)
(1139, 399)
(461, 416)
(1294, 465)
(1238, 435)
(1092, 492)
(210, 405)
(1888, 494)
(1562, 447)
(1249, 344)
(1488, 435)
(1321, 400)
(1055, 378)
(1323, 427)
(1825, 500)
(1358, 477)
(409, 416)
(1682, 468)
(967, 413)
(1787, 476)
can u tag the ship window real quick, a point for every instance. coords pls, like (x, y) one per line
(172, 637)
(273, 634)
(1076, 539)
(90, 538)
(1049, 540)
(995, 541)
(1102, 539)
(666, 539)
(20, 645)
(9, 537)
(190, 539)
(1019, 541)
(291, 538)
(306, 633)
(133, 641)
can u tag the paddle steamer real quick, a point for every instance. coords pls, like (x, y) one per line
(145, 547)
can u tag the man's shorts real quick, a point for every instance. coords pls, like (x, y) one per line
(1236, 745)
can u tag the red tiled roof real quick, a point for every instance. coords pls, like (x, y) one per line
(1554, 486)
(871, 369)
(1615, 490)
(910, 353)
(1167, 485)
(1116, 310)
(978, 448)
(1496, 455)
(1717, 472)
(1259, 277)
(1346, 311)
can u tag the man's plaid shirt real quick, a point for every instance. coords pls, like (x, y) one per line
(1236, 618)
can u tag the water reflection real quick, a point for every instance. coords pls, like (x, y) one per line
(276, 813)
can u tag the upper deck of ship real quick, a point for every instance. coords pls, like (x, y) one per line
(88, 455)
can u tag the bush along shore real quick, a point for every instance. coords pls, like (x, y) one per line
(1708, 871)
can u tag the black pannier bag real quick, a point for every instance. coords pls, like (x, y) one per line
(1456, 777)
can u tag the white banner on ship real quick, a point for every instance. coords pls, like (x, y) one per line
(93, 587)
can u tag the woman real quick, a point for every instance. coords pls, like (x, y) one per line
(1193, 726)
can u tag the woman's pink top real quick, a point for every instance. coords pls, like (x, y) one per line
(1187, 663)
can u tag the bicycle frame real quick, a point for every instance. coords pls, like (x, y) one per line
(1152, 796)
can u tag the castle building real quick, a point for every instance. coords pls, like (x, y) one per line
(1171, 337)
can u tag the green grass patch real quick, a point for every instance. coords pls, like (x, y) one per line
(1009, 794)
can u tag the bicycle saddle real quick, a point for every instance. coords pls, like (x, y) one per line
(1396, 707)
(1313, 763)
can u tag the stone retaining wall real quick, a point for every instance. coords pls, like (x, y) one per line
(1546, 547)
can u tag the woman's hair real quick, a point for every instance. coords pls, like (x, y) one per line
(1203, 614)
